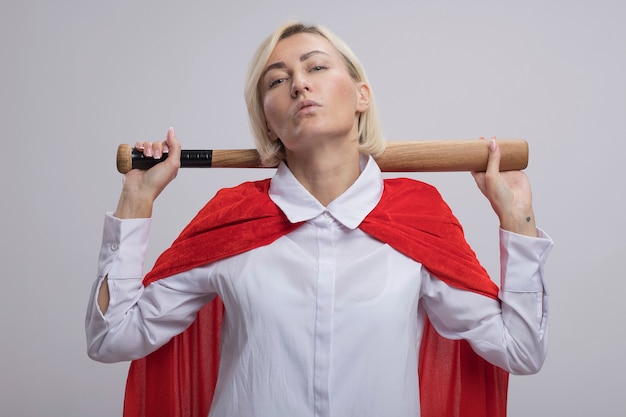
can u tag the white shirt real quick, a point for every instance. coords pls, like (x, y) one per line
(325, 321)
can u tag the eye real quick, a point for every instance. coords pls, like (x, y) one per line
(316, 68)
(276, 82)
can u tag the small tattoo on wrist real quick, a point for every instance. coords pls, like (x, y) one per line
(527, 219)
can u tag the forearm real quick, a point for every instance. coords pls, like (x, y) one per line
(524, 299)
(120, 271)
(131, 205)
(510, 332)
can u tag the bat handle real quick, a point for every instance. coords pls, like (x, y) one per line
(129, 158)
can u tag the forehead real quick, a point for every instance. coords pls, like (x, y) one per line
(296, 46)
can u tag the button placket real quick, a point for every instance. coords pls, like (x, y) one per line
(324, 313)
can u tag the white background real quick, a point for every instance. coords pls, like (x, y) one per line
(79, 77)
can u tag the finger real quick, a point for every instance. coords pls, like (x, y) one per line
(145, 147)
(157, 150)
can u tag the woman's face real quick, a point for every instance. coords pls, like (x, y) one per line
(308, 94)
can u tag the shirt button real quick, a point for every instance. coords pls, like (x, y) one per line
(114, 246)
(326, 214)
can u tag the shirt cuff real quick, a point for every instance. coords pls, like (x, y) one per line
(522, 260)
(124, 246)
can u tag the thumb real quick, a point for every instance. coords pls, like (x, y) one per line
(171, 138)
(493, 163)
(173, 145)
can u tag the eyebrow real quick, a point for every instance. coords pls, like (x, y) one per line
(281, 64)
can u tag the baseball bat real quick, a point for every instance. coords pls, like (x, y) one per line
(399, 156)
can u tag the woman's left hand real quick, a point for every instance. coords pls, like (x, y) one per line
(509, 194)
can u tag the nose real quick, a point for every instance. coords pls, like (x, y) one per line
(299, 85)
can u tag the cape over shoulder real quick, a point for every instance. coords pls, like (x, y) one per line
(236, 220)
(179, 379)
(411, 216)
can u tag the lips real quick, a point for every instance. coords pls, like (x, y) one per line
(306, 106)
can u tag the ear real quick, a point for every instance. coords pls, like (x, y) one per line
(363, 97)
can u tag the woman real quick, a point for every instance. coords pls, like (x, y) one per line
(329, 276)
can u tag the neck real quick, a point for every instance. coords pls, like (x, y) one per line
(326, 172)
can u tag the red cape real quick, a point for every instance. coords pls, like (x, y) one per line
(178, 380)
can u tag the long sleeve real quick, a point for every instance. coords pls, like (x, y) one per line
(138, 319)
(511, 332)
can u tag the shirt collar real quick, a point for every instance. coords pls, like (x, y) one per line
(350, 208)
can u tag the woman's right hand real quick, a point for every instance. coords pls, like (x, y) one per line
(142, 187)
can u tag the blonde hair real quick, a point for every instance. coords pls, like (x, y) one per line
(371, 140)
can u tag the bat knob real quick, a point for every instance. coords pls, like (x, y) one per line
(124, 158)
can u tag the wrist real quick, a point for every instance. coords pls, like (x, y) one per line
(133, 206)
(522, 223)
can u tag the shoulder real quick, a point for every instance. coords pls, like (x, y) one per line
(249, 188)
(408, 195)
(407, 185)
(247, 191)
(237, 200)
